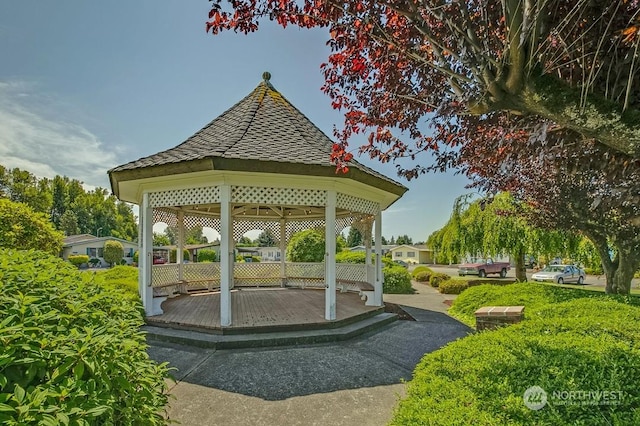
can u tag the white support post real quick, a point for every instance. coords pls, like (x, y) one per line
(145, 257)
(377, 286)
(330, 257)
(283, 247)
(180, 250)
(367, 246)
(226, 255)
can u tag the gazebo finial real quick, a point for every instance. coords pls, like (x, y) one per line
(266, 76)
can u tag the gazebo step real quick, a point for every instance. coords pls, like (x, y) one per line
(276, 338)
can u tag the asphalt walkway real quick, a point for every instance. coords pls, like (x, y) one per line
(357, 382)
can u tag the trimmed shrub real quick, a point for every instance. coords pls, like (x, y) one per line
(423, 276)
(78, 260)
(113, 252)
(473, 283)
(453, 286)
(72, 352)
(419, 269)
(532, 295)
(206, 255)
(578, 345)
(396, 280)
(437, 277)
(136, 256)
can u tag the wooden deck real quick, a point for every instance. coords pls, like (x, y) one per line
(260, 310)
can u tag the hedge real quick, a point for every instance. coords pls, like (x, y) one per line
(437, 277)
(72, 352)
(588, 344)
(453, 286)
(396, 280)
(421, 269)
(78, 260)
(532, 295)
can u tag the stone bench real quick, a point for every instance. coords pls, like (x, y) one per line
(491, 317)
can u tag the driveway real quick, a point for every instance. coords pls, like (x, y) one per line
(357, 382)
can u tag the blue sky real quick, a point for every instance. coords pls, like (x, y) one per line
(85, 86)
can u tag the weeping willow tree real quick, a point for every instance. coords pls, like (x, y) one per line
(498, 226)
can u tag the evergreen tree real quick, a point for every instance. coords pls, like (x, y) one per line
(354, 238)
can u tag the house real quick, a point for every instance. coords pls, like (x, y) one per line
(269, 254)
(386, 248)
(412, 253)
(163, 252)
(93, 247)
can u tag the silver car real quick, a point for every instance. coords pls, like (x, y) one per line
(560, 274)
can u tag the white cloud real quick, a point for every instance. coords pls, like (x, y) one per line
(34, 135)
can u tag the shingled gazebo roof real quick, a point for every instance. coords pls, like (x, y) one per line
(263, 132)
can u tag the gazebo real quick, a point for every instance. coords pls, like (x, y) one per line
(261, 165)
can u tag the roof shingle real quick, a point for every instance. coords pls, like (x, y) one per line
(262, 126)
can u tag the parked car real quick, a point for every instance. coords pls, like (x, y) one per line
(159, 260)
(401, 263)
(483, 267)
(560, 274)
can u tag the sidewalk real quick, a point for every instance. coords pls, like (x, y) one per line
(356, 382)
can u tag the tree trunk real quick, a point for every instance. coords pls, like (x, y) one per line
(521, 270)
(628, 261)
(619, 271)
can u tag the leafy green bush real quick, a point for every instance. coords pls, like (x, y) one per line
(492, 281)
(423, 276)
(453, 286)
(420, 269)
(396, 280)
(94, 262)
(72, 352)
(136, 256)
(437, 277)
(78, 259)
(113, 252)
(122, 278)
(594, 271)
(351, 257)
(22, 229)
(206, 255)
(173, 254)
(585, 344)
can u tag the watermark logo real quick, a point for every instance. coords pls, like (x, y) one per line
(535, 398)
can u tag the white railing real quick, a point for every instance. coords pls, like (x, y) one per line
(256, 274)
(164, 274)
(207, 275)
(351, 272)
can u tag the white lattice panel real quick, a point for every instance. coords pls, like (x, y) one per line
(185, 197)
(201, 271)
(278, 196)
(165, 216)
(201, 275)
(304, 270)
(356, 204)
(191, 221)
(257, 274)
(241, 227)
(351, 272)
(164, 274)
